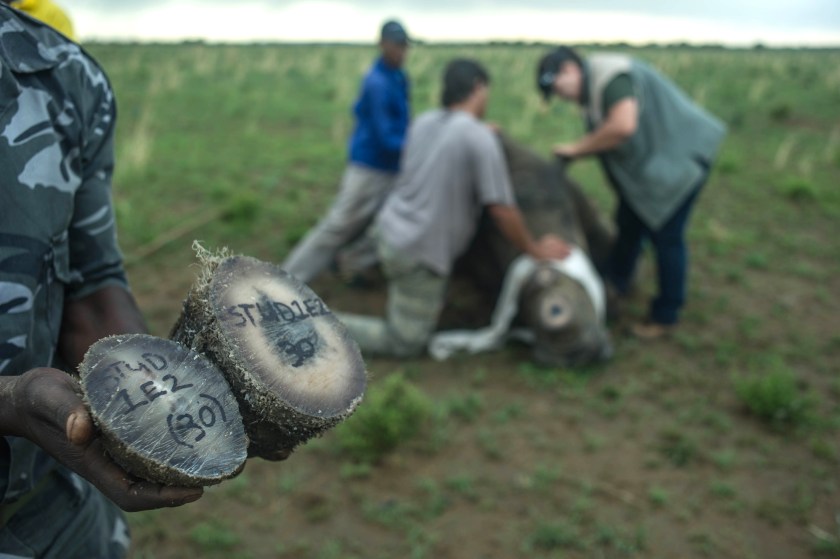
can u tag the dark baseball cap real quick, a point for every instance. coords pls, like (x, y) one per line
(394, 32)
(550, 65)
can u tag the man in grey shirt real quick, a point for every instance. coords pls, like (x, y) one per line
(453, 169)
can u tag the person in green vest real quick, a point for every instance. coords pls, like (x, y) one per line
(656, 147)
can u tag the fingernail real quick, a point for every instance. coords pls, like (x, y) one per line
(71, 423)
(194, 497)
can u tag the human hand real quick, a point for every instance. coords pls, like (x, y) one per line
(49, 412)
(551, 247)
(494, 127)
(565, 151)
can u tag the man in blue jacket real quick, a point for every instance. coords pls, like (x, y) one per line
(382, 114)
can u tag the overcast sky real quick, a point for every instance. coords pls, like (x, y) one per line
(733, 22)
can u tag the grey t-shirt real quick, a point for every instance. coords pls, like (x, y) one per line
(452, 167)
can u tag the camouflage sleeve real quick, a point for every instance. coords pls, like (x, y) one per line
(95, 257)
(5, 463)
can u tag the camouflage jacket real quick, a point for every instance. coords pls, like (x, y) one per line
(57, 236)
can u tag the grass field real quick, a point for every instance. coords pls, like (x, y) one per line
(723, 442)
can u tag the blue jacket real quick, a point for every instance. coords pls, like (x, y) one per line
(382, 113)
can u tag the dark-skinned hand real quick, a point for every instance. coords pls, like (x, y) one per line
(44, 406)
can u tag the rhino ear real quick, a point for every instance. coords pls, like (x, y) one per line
(555, 312)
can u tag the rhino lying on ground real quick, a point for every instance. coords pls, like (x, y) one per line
(567, 328)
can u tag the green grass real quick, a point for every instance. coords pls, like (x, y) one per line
(665, 451)
(776, 397)
(213, 536)
(394, 412)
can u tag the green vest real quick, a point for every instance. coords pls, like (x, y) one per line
(659, 165)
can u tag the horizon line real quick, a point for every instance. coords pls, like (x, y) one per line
(757, 45)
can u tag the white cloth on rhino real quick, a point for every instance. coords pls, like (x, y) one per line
(577, 266)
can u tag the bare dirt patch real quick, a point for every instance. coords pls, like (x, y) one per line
(649, 455)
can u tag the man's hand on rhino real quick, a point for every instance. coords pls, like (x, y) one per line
(567, 152)
(551, 247)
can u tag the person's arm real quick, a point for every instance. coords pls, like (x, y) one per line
(390, 131)
(97, 301)
(42, 405)
(496, 195)
(621, 123)
(108, 311)
(510, 222)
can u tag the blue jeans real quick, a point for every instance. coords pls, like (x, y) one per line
(671, 256)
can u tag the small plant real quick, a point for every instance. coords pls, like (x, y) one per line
(317, 508)
(726, 352)
(508, 412)
(722, 489)
(538, 376)
(677, 447)
(355, 470)
(827, 548)
(241, 208)
(545, 477)
(463, 484)
(780, 112)
(724, 459)
(658, 496)
(553, 536)
(610, 393)
(393, 411)
(826, 544)
(824, 450)
(213, 536)
(757, 260)
(237, 486)
(489, 444)
(624, 543)
(729, 164)
(592, 442)
(288, 482)
(391, 513)
(479, 377)
(466, 408)
(775, 398)
(798, 189)
(436, 501)
(333, 550)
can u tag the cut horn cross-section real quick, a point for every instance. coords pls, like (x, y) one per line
(166, 413)
(291, 363)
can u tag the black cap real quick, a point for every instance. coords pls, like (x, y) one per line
(549, 67)
(394, 32)
(545, 82)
